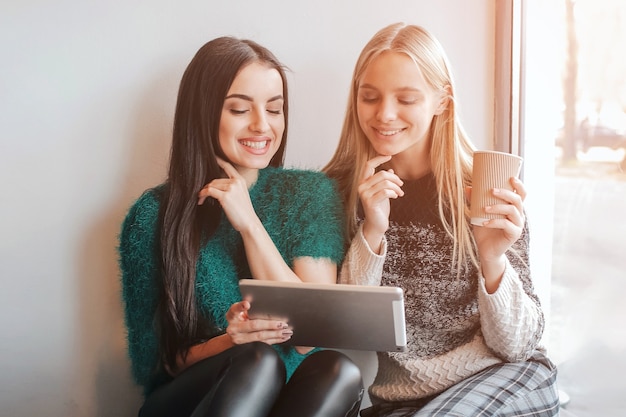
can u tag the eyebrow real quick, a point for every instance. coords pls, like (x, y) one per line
(248, 98)
(409, 89)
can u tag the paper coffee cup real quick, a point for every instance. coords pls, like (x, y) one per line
(491, 169)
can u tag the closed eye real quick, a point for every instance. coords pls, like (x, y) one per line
(408, 99)
(369, 98)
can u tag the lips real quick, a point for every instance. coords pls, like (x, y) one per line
(255, 144)
(387, 132)
(258, 145)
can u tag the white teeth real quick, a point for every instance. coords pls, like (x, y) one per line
(254, 145)
(388, 132)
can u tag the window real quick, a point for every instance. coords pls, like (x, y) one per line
(567, 117)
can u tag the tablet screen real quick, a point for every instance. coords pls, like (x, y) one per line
(332, 315)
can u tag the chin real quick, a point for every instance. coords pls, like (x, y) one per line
(385, 151)
(260, 165)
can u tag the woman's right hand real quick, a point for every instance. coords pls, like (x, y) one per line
(233, 195)
(242, 329)
(375, 190)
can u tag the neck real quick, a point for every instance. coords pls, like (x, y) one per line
(410, 166)
(249, 174)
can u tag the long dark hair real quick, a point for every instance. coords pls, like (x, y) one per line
(185, 226)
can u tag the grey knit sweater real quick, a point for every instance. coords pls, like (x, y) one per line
(454, 327)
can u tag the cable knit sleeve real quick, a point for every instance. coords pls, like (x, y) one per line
(511, 319)
(137, 262)
(362, 266)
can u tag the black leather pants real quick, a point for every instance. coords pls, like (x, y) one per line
(248, 381)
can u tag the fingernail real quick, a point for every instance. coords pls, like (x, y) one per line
(496, 190)
(287, 333)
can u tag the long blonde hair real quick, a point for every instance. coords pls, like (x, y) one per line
(451, 151)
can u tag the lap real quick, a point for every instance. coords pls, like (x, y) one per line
(326, 383)
(507, 389)
(211, 376)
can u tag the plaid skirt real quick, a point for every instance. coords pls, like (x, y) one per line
(503, 390)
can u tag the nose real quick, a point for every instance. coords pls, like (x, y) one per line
(259, 123)
(386, 110)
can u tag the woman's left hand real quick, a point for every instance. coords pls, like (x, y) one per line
(496, 236)
(232, 194)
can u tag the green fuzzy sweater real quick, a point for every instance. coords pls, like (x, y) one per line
(301, 210)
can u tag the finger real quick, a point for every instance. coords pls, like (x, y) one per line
(372, 164)
(379, 182)
(245, 305)
(228, 168)
(519, 187)
(203, 194)
(510, 212)
(262, 330)
(209, 189)
(374, 195)
(238, 311)
(260, 325)
(510, 197)
(509, 230)
(273, 336)
(385, 179)
(386, 175)
(285, 336)
(267, 337)
(233, 312)
(223, 184)
(211, 192)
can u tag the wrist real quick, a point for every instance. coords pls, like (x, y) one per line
(492, 271)
(373, 237)
(252, 228)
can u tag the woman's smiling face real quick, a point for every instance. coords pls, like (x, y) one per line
(252, 121)
(395, 105)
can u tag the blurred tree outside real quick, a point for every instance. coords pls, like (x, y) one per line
(570, 123)
(594, 73)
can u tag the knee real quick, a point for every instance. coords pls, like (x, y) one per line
(341, 368)
(338, 379)
(350, 372)
(260, 359)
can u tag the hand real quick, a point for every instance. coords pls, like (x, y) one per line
(232, 194)
(375, 190)
(496, 236)
(242, 329)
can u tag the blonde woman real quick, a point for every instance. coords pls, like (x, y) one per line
(474, 321)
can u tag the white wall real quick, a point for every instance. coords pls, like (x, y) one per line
(87, 92)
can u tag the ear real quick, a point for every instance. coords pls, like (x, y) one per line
(444, 100)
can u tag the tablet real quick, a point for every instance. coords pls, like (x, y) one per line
(341, 316)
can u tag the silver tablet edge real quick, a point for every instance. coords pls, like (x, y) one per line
(320, 286)
(398, 318)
